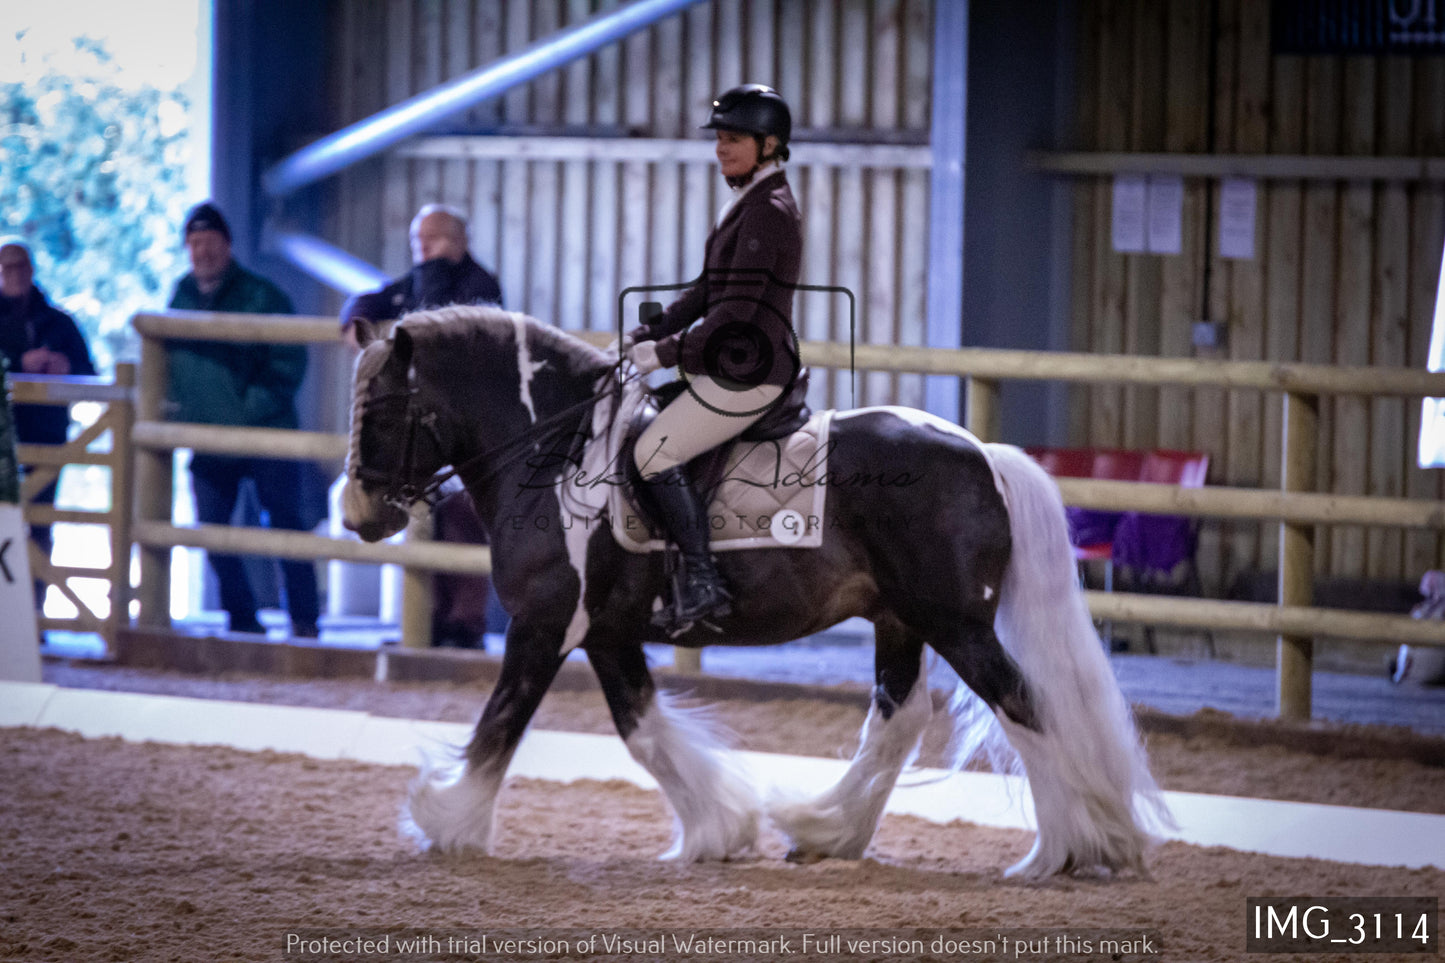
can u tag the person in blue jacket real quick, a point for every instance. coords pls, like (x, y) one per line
(37, 338)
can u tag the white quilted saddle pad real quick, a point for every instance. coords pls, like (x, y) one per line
(771, 496)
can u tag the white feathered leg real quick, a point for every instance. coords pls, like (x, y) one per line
(452, 810)
(716, 810)
(841, 822)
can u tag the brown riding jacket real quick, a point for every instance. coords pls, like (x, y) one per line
(745, 295)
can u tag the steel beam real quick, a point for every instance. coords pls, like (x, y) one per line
(324, 261)
(336, 151)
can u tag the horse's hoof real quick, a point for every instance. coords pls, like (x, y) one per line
(804, 857)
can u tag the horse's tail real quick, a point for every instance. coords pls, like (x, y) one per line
(1093, 795)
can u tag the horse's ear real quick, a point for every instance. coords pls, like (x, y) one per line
(401, 345)
(366, 332)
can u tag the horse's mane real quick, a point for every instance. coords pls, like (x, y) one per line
(572, 357)
(494, 323)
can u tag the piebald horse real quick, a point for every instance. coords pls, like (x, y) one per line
(982, 573)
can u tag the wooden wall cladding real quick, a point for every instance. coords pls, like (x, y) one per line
(1345, 271)
(567, 235)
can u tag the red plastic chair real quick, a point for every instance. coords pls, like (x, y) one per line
(1186, 469)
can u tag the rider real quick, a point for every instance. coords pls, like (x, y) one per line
(730, 334)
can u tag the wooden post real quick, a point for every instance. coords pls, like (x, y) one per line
(1297, 554)
(981, 412)
(686, 660)
(417, 592)
(153, 489)
(122, 465)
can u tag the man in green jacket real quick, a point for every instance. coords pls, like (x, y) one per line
(250, 385)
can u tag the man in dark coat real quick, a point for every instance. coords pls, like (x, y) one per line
(443, 273)
(37, 339)
(249, 385)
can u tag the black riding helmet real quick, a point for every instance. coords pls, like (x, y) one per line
(753, 109)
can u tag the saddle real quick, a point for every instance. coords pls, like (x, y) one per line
(787, 435)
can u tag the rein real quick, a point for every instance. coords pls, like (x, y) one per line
(403, 493)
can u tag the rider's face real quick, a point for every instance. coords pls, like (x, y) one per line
(736, 153)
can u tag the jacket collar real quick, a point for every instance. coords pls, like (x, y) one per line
(767, 179)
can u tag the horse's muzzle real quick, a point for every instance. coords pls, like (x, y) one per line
(370, 517)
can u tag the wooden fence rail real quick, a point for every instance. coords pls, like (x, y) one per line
(1297, 508)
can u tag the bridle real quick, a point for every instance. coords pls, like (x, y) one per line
(402, 491)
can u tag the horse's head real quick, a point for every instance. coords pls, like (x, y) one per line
(396, 445)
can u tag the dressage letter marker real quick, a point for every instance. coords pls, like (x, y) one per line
(19, 641)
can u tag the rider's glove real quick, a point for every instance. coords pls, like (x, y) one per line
(644, 356)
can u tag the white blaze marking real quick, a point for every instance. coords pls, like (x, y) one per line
(525, 367)
(987, 592)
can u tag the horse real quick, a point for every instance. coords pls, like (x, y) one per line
(982, 573)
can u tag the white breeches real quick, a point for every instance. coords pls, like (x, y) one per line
(703, 417)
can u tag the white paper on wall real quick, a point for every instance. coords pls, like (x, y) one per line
(1130, 203)
(1237, 200)
(1166, 213)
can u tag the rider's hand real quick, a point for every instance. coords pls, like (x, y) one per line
(644, 356)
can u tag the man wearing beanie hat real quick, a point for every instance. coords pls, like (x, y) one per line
(248, 385)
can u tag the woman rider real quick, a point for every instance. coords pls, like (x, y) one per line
(730, 335)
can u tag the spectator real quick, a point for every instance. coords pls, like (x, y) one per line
(252, 385)
(37, 339)
(443, 273)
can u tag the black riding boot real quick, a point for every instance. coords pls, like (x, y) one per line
(701, 594)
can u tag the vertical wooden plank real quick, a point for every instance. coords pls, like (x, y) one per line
(1389, 451)
(792, 53)
(1425, 550)
(545, 187)
(914, 89)
(667, 121)
(575, 226)
(819, 108)
(486, 194)
(515, 175)
(1180, 276)
(1209, 428)
(1282, 253)
(516, 34)
(1088, 233)
(344, 25)
(1110, 268)
(636, 90)
(882, 186)
(851, 208)
(428, 54)
(1320, 257)
(456, 175)
(602, 278)
(728, 43)
(1143, 280)
(761, 53)
(700, 89)
(1352, 321)
(1246, 329)
(396, 201)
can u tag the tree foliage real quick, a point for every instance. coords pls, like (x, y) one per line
(93, 178)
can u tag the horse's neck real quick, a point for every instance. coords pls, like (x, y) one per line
(523, 468)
